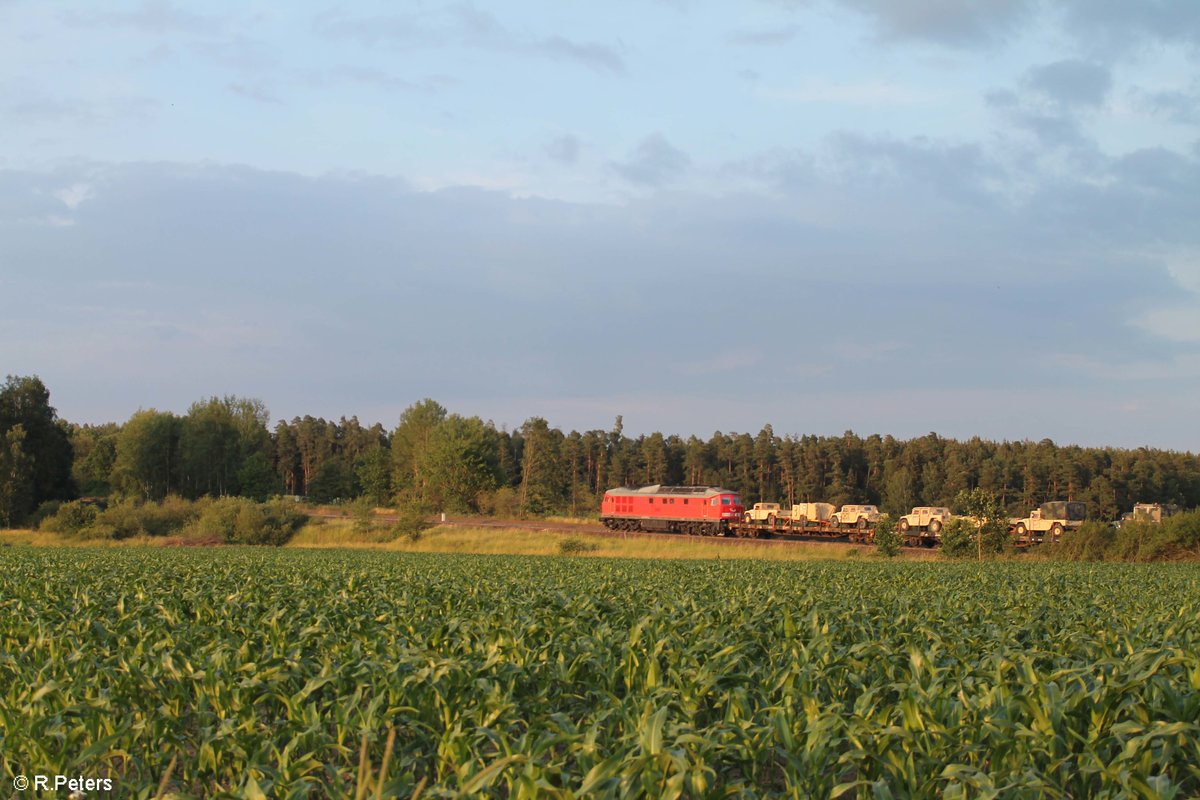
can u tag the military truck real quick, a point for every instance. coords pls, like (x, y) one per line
(1051, 518)
(1149, 512)
(854, 516)
(928, 519)
(769, 513)
(805, 515)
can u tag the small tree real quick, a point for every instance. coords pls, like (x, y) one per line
(956, 539)
(887, 540)
(987, 519)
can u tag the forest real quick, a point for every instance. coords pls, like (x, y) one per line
(437, 460)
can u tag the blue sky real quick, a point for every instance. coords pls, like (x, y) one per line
(895, 216)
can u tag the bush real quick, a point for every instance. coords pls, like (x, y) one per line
(574, 546)
(503, 503)
(410, 523)
(46, 510)
(71, 518)
(958, 539)
(237, 520)
(1092, 542)
(887, 540)
(363, 513)
(1136, 540)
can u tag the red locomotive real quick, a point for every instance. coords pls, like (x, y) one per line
(698, 510)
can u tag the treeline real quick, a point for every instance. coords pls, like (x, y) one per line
(437, 460)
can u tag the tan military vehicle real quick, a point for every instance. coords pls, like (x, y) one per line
(1051, 518)
(1150, 512)
(925, 518)
(769, 513)
(854, 516)
(805, 514)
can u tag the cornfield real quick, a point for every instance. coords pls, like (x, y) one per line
(239, 673)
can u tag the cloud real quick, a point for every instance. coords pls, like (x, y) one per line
(152, 16)
(564, 149)
(653, 162)
(489, 303)
(1177, 105)
(1054, 101)
(465, 25)
(74, 195)
(365, 76)
(1071, 83)
(949, 22)
(258, 94)
(769, 37)
(1111, 28)
(863, 93)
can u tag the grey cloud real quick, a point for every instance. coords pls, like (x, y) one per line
(152, 16)
(564, 149)
(361, 273)
(653, 162)
(46, 109)
(364, 76)
(255, 92)
(1113, 27)
(466, 26)
(1071, 83)
(258, 94)
(1055, 98)
(1177, 105)
(239, 53)
(587, 53)
(950, 22)
(765, 37)
(957, 171)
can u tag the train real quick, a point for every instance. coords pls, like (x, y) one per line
(695, 510)
(713, 511)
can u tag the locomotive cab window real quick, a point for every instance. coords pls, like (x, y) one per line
(724, 501)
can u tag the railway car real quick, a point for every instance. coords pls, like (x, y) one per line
(696, 510)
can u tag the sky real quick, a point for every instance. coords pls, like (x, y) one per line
(974, 217)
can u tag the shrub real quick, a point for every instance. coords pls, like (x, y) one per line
(1136, 540)
(71, 518)
(237, 520)
(574, 546)
(887, 540)
(410, 523)
(363, 513)
(502, 502)
(958, 539)
(46, 510)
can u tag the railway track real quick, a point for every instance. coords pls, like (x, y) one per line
(774, 539)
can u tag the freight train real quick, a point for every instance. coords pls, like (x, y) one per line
(713, 511)
(696, 510)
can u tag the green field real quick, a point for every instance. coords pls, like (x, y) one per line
(237, 672)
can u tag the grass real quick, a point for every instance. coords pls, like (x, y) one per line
(34, 538)
(335, 533)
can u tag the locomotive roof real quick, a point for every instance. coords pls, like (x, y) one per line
(657, 489)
